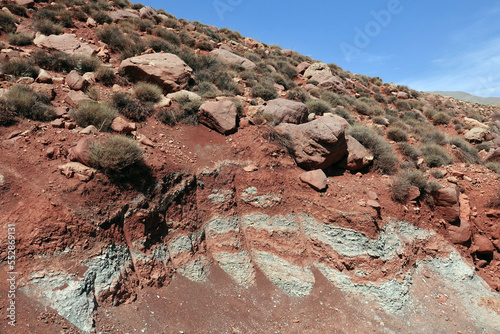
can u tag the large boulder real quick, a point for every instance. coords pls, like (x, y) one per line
(123, 15)
(447, 204)
(76, 82)
(493, 156)
(287, 111)
(302, 67)
(231, 58)
(148, 12)
(316, 179)
(67, 43)
(358, 157)
(316, 68)
(220, 116)
(163, 69)
(478, 134)
(317, 144)
(329, 82)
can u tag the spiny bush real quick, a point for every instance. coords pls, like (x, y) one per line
(114, 37)
(435, 156)
(283, 140)
(115, 154)
(409, 150)
(186, 39)
(385, 158)
(21, 39)
(204, 44)
(318, 107)
(362, 108)
(466, 152)
(403, 105)
(265, 91)
(161, 45)
(287, 69)
(494, 166)
(146, 26)
(101, 17)
(130, 108)
(85, 63)
(7, 117)
(441, 118)
(15, 9)
(167, 35)
(345, 114)
(185, 112)
(298, 94)
(147, 92)
(281, 80)
(54, 61)
(20, 67)
(105, 75)
(78, 14)
(397, 134)
(7, 22)
(206, 90)
(336, 99)
(401, 184)
(100, 115)
(47, 27)
(25, 102)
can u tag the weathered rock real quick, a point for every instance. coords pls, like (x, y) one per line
(475, 123)
(460, 234)
(184, 94)
(76, 97)
(70, 125)
(121, 125)
(163, 69)
(13, 134)
(372, 195)
(148, 12)
(316, 68)
(447, 203)
(44, 89)
(25, 3)
(82, 172)
(413, 193)
(302, 67)
(51, 152)
(43, 77)
(482, 245)
(317, 144)
(465, 211)
(25, 81)
(234, 59)
(81, 152)
(358, 157)
(57, 123)
(402, 96)
(76, 82)
(146, 141)
(329, 82)
(493, 156)
(67, 43)
(287, 111)
(122, 15)
(478, 135)
(286, 52)
(250, 168)
(316, 179)
(220, 116)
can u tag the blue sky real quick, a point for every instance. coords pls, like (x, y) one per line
(427, 45)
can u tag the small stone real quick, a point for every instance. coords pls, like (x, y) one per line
(57, 123)
(146, 141)
(70, 125)
(121, 125)
(373, 204)
(13, 134)
(44, 77)
(452, 179)
(316, 179)
(413, 193)
(442, 299)
(458, 174)
(373, 195)
(25, 81)
(89, 130)
(50, 152)
(250, 168)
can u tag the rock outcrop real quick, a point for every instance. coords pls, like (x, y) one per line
(67, 43)
(234, 59)
(287, 111)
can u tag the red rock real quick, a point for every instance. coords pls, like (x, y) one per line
(13, 134)
(70, 125)
(458, 174)
(496, 243)
(80, 152)
(76, 97)
(244, 123)
(493, 213)
(231, 58)
(50, 152)
(83, 173)
(316, 68)
(67, 43)
(121, 125)
(316, 179)
(250, 168)
(482, 245)
(442, 299)
(122, 15)
(302, 67)
(329, 82)
(58, 123)
(76, 82)
(164, 69)
(317, 144)
(402, 95)
(358, 157)
(373, 195)
(146, 141)
(447, 203)
(373, 204)
(287, 111)
(465, 211)
(413, 193)
(220, 116)
(460, 234)
(148, 12)
(25, 3)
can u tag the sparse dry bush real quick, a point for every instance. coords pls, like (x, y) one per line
(435, 156)
(100, 115)
(115, 154)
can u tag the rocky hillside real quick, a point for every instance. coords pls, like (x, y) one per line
(471, 98)
(165, 176)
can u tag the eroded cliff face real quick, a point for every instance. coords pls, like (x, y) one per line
(226, 223)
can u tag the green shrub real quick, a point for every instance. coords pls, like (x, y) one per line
(345, 114)
(381, 120)
(131, 109)
(115, 154)
(105, 75)
(483, 146)
(170, 23)
(186, 39)
(79, 14)
(147, 92)
(337, 100)
(287, 69)
(55, 61)
(385, 158)
(401, 184)
(409, 151)
(319, 107)
(85, 63)
(204, 44)
(265, 91)
(441, 118)
(7, 22)
(122, 3)
(25, 102)
(207, 90)
(47, 27)
(101, 17)
(380, 98)
(298, 94)
(397, 134)
(146, 26)
(16, 9)
(100, 115)
(494, 166)
(435, 156)
(186, 112)
(167, 35)
(466, 153)
(20, 67)
(114, 37)
(362, 108)
(161, 45)
(402, 105)
(21, 39)
(437, 173)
